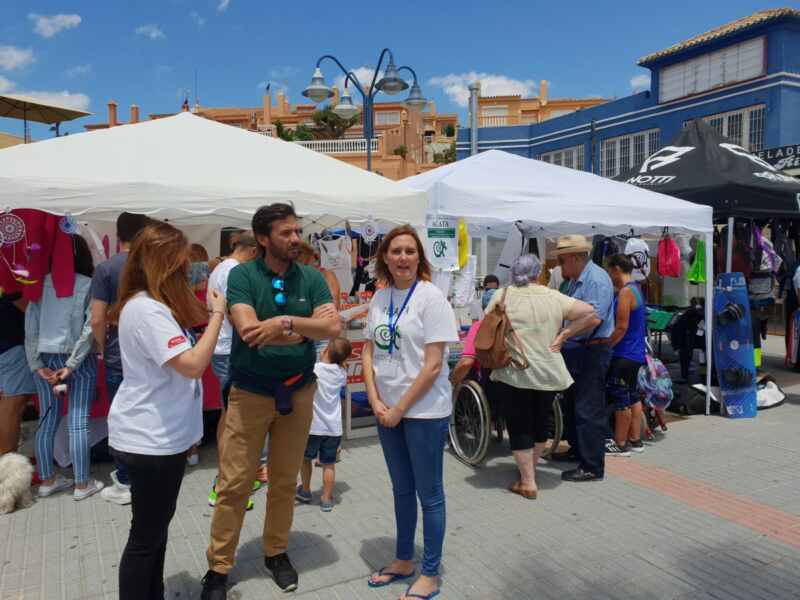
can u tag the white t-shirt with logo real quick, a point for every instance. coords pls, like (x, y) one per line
(157, 411)
(327, 418)
(218, 280)
(427, 319)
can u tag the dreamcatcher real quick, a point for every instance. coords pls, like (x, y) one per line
(13, 231)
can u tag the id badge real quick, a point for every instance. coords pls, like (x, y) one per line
(390, 365)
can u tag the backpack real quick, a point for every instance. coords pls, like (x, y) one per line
(495, 338)
(655, 384)
(669, 257)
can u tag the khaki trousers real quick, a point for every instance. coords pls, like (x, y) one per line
(247, 421)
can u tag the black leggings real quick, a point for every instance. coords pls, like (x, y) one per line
(155, 483)
(526, 412)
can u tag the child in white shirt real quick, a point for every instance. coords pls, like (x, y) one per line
(325, 434)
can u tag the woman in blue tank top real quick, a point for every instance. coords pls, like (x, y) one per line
(628, 343)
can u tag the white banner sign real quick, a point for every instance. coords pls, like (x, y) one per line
(442, 243)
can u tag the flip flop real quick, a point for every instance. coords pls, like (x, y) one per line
(516, 488)
(392, 578)
(420, 596)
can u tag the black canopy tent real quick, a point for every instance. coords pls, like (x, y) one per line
(702, 166)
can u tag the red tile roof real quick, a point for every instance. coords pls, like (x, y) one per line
(757, 18)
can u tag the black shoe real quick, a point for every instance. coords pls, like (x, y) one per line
(214, 586)
(282, 571)
(580, 475)
(568, 456)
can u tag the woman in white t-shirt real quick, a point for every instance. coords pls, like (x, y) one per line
(406, 373)
(157, 412)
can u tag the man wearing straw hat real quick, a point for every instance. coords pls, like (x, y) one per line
(588, 357)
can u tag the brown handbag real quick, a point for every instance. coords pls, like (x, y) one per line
(496, 342)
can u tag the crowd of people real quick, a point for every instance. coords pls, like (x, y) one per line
(271, 332)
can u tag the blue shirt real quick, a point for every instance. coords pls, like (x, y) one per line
(594, 287)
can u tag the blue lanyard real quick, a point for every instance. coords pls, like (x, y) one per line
(393, 325)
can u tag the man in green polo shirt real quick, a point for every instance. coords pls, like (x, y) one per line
(277, 308)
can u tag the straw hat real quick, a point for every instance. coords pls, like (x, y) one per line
(572, 244)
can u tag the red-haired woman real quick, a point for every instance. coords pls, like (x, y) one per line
(157, 412)
(405, 368)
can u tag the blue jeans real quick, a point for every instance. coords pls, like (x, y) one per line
(81, 388)
(221, 365)
(414, 453)
(113, 381)
(584, 405)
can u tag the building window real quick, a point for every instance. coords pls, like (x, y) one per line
(738, 62)
(755, 134)
(567, 157)
(493, 116)
(615, 154)
(743, 127)
(387, 117)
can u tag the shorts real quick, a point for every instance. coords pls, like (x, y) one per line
(324, 446)
(221, 365)
(622, 383)
(16, 378)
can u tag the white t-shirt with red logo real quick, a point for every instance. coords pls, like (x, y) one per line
(157, 411)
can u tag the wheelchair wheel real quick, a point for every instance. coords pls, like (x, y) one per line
(555, 428)
(470, 423)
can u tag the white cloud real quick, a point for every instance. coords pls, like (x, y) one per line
(12, 58)
(79, 71)
(151, 31)
(74, 100)
(66, 98)
(197, 18)
(639, 83)
(364, 75)
(49, 25)
(223, 5)
(456, 85)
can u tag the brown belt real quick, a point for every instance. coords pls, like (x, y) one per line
(598, 342)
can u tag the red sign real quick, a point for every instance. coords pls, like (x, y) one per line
(178, 339)
(355, 368)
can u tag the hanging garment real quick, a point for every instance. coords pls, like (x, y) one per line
(794, 337)
(44, 249)
(464, 283)
(669, 257)
(770, 261)
(336, 256)
(442, 280)
(697, 272)
(639, 253)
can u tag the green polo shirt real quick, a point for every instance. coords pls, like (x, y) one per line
(251, 283)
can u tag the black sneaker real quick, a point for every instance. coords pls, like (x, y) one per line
(579, 475)
(613, 449)
(636, 446)
(282, 571)
(215, 586)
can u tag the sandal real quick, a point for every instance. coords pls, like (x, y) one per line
(392, 578)
(408, 594)
(516, 488)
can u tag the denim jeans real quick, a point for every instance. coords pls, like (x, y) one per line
(414, 453)
(221, 365)
(113, 381)
(81, 392)
(584, 405)
(155, 484)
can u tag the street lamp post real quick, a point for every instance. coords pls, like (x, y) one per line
(391, 83)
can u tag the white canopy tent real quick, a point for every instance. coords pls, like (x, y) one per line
(194, 171)
(494, 189)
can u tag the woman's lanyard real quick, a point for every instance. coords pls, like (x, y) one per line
(393, 324)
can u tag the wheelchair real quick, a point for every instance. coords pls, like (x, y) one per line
(474, 417)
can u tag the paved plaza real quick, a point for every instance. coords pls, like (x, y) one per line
(709, 511)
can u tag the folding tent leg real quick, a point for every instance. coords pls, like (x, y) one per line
(729, 248)
(710, 314)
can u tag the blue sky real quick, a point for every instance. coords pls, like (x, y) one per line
(85, 52)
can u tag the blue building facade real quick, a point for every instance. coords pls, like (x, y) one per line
(743, 78)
